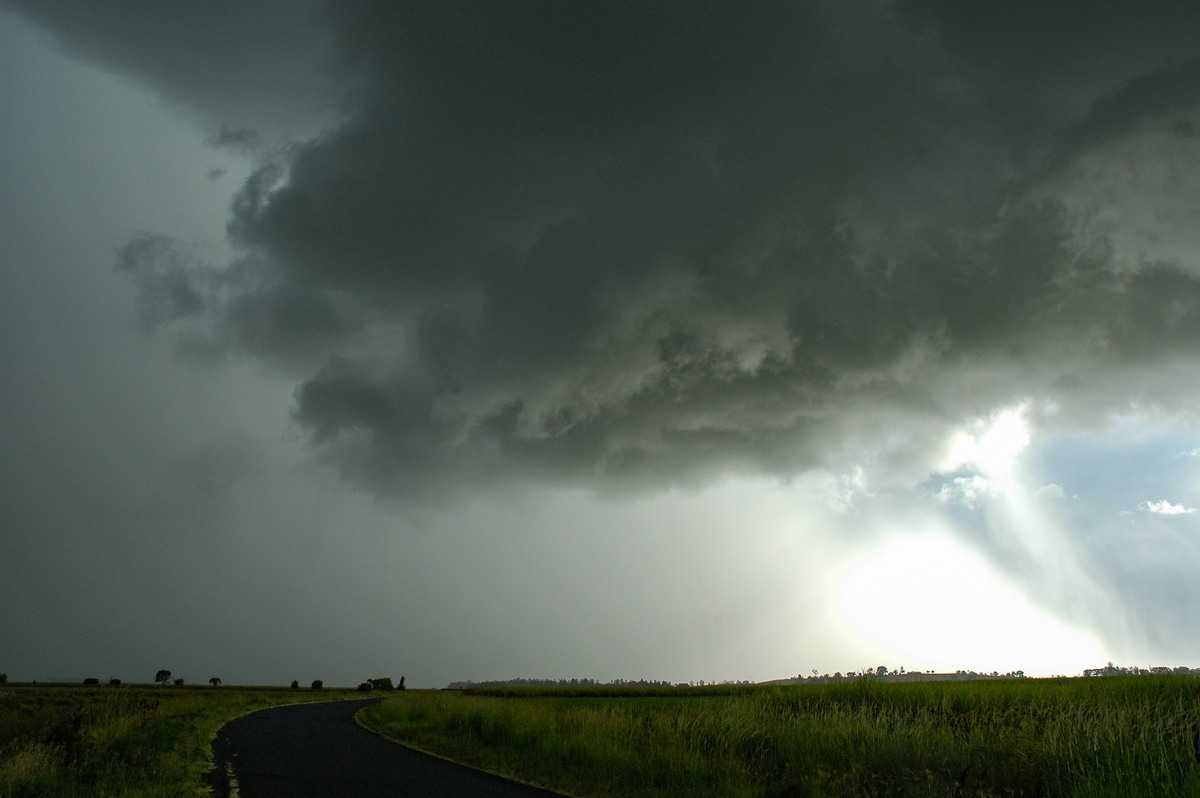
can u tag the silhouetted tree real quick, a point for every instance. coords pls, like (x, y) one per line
(91, 680)
(3, 678)
(163, 676)
(114, 682)
(384, 683)
(401, 685)
(295, 684)
(317, 684)
(179, 682)
(365, 687)
(215, 681)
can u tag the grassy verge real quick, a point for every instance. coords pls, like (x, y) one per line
(1128, 737)
(123, 741)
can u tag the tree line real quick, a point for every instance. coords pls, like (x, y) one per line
(566, 683)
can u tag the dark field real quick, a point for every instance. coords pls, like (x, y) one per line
(67, 740)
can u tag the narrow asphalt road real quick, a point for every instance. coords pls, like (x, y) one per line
(318, 751)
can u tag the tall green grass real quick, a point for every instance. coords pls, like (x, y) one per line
(1127, 737)
(123, 741)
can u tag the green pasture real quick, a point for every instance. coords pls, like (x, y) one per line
(1121, 737)
(66, 740)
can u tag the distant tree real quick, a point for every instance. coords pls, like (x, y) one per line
(365, 687)
(3, 678)
(384, 683)
(317, 684)
(881, 670)
(295, 684)
(215, 681)
(179, 682)
(163, 676)
(91, 680)
(114, 682)
(401, 685)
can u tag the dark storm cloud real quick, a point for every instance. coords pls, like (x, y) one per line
(627, 242)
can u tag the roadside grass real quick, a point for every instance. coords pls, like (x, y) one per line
(1121, 736)
(133, 741)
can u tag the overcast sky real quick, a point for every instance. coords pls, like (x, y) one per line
(707, 340)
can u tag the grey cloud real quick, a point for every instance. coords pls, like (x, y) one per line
(257, 64)
(1173, 90)
(239, 307)
(167, 283)
(1027, 41)
(242, 138)
(1041, 64)
(218, 465)
(627, 242)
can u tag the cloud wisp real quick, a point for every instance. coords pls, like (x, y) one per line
(1164, 507)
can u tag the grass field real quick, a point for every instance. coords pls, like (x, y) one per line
(121, 741)
(1123, 736)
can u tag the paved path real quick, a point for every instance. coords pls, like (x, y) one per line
(318, 751)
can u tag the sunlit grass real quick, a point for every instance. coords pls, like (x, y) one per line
(1137, 736)
(120, 741)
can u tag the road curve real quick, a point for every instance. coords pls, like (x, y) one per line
(318, 751)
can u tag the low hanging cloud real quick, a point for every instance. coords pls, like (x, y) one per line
(630, 244)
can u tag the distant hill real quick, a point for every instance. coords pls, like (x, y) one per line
(881, 674)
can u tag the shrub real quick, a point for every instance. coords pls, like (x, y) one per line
(365, 687)
(295, 685)
(179, 682)
(317, 684)
(91, 680)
